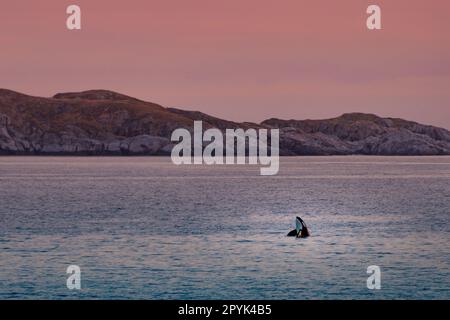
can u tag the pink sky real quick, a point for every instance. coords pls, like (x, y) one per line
(238, 59)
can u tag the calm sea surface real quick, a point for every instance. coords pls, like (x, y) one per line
(144, 228)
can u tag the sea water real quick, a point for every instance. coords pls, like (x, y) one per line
(143, 228)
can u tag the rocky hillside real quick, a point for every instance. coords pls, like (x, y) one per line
(100, 122)
(358, 133)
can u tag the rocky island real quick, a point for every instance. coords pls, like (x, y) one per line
(101, 122)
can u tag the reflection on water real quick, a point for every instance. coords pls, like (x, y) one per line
(144, 228)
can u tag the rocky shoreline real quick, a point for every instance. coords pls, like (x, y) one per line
(100, 122)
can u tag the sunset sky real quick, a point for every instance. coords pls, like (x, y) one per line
(238, 59)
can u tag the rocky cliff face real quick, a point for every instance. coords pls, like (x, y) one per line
(358, 133)
(101, 122)
(92, 122)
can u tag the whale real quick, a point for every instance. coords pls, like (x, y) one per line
(301, 230)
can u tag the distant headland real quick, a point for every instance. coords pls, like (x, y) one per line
(101, 122)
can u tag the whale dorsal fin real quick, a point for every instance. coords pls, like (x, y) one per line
(298, 225)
